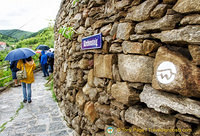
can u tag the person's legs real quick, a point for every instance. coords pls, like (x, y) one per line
(24, 91)
(14, 78)
(44, 69)
(29, 92)
(51, 65)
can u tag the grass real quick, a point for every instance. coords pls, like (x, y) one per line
(50, 86)
(3, 126)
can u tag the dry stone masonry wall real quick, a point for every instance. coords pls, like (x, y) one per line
(144, 81)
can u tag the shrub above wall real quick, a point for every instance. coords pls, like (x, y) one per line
(146, 78)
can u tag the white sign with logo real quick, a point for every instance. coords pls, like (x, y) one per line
(166, 72)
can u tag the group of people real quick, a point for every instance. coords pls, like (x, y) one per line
(46, 63)
(29, 66)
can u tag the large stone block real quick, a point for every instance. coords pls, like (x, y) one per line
(91, 92)
(124, 30)
(102, 108)
(90, 112)
(103, 65)
(142, 11)
(71, 77)
(175, 73)
(150, 46)
(167, 22)
(187, 118)
(121, 92)
(193, 19)
(106, 29)
(186, 34)
(80, 99)
(132, 47)
(151, 121)
(122, 4)
(187, 6)
(91, 78)
(159, 11)
(134, 68)
(195, 53)
(166, 102)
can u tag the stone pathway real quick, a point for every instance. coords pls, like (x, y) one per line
(42, 117)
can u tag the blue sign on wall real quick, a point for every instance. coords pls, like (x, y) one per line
(92, 42)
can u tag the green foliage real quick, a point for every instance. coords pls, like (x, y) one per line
(67, 32)
(2, 57)
(50, 86)
(45, 37)
(53, 93)
(15, 33)
(74, 2)
(7, 39)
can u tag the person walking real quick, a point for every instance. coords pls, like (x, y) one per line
(51, 63)
(14, 69)
(26, 83)
(44, 64)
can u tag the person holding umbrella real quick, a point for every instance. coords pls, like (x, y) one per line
(44, 64)
(26, 83)
(25, 61)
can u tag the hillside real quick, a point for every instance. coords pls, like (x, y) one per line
(17, 34)
(7, 39)
(44, 36)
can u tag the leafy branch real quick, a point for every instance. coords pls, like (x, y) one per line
(74, 2)
(67, 32)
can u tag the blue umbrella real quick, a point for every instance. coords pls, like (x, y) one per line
(20, 53)
(50, 54)
(43, 47)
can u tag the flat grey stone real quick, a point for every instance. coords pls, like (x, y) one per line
(61, 133)
(56, 126)
(37, 129)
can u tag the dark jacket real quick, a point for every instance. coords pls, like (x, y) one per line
(13, 66)
(43, 58)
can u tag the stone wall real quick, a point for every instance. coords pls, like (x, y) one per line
(146, 78)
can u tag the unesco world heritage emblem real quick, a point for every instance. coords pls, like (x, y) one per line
(166, 72)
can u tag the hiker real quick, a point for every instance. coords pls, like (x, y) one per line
(44, 64)
(26, 83)
(51, 62)
(14, 69)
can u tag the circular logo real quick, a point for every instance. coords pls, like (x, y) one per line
(110, 130)
(166, 72)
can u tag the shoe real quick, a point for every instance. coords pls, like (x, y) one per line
(19, 84)
(24, 101)
(16, 85)
(29, 101)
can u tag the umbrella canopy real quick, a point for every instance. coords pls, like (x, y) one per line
(20, 53)
(50, 54)
(43, 47)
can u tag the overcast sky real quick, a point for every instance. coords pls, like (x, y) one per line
(28, 15)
